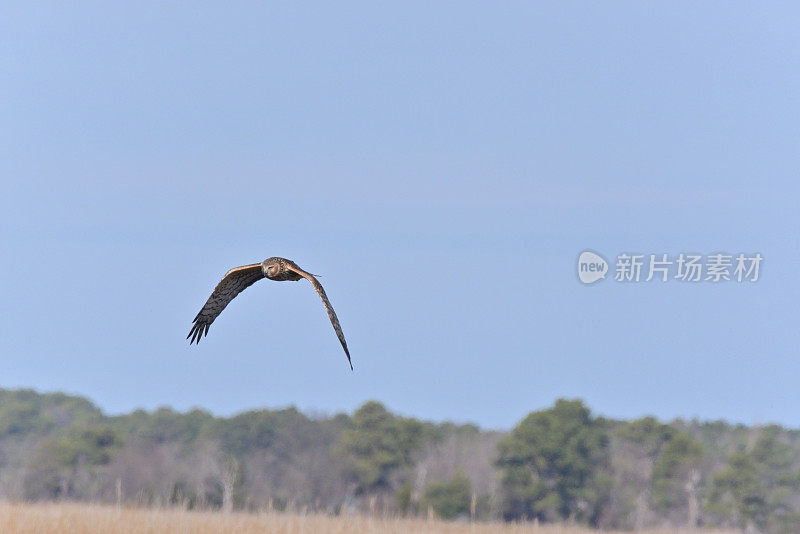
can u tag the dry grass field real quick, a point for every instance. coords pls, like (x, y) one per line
(83, 519)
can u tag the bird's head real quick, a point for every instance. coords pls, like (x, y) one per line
(272, 267)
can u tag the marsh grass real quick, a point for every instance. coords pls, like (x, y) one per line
(85, 518)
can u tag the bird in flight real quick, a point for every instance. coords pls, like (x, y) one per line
(240, 278)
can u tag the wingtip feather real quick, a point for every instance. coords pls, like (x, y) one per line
(193, 334)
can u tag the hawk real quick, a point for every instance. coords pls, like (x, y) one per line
(240, 278)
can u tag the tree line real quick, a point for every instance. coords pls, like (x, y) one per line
(560, 464)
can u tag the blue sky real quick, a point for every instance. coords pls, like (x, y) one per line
(441, 165)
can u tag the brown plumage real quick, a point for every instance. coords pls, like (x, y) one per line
(240, 278)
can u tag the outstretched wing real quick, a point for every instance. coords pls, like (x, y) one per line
(331, 314)
(234, 282)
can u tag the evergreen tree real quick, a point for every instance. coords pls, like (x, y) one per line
(448, 498)
(756, 486)
(675, 476)
(378, 444)
(554, 465)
